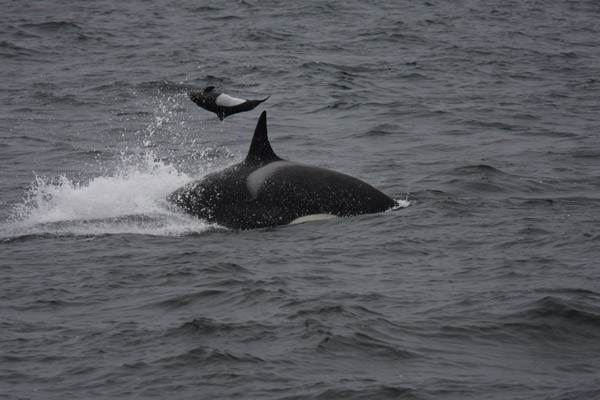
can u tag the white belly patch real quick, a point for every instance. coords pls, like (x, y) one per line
(224, 100)
(314, 217)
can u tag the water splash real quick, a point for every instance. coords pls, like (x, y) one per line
(132, 200)
(401, 204)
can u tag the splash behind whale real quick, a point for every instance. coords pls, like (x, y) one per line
(222, 104)
(265, 190)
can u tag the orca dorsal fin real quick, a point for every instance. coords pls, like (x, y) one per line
(208, 89)
(260, 150)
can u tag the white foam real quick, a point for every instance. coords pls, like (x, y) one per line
(401, 204)
(132, 200)
(225, 100)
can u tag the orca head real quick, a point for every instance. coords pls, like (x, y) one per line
(261, 152)
(204, 98)
(197, 98)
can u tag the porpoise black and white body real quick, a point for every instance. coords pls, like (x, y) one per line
(265, 190)
(222, 104)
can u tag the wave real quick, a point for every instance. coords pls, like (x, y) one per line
(550, 320)
(374, 392)
(11, 50)
(558, 314)
(53, 26)
(349, 345)
(489, 181)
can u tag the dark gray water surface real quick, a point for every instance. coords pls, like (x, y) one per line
(482, 119)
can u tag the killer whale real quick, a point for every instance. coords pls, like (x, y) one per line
(222, 104)
(265, 190)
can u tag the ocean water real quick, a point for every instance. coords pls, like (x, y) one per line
(481, 118)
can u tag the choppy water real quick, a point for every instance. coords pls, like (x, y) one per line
(482, 118)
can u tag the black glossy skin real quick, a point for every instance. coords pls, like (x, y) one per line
(287, 191)
(208, 100)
